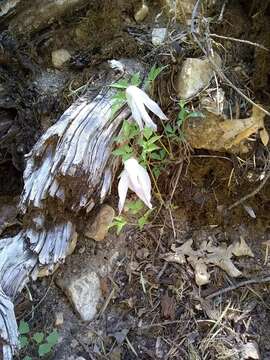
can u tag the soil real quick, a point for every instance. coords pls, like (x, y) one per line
(156, 310)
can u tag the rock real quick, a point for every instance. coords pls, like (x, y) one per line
(84, 292)
(74, 343)
(249, 351)
(60, 57)
(214, 102)
(158, 36)
(141, 13)
(216, 133)
(194, 76)
(181, 9)
(99, 228)
(59, 319)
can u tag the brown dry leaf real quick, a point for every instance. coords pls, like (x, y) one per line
(241, 248)
(180, 253)
(209, 309)
(208, 254)
(202, 277)
(221, 257)
(213, 132)
(168, 307)
(264, 136)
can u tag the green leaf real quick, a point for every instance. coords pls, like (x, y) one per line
(182, 104)
(147, 132)
(38, 337)
(23, 341)
(130, 130)
(27, 358)
(153, 139)
(135, 80)
(144, 219)
(156, 171)
(155, 156)
(123, 150)
(195, 114)
(44, 349)
(121, 84)
(151, 147)
(135, 206)
(52, 338)
(169, 129)
(119, 222)
(23, 327)
(162, 154)
(154, 72)
(182, 116)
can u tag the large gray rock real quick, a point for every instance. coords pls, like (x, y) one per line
(84, 292)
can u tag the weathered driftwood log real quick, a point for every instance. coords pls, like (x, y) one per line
(70, 169)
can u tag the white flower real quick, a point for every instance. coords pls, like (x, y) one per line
(135, 178)
(137, 99)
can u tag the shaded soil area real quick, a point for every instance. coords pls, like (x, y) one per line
(154, 309)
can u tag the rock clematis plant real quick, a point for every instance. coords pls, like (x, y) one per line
(134, 176)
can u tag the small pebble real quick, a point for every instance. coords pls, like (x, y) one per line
(141, 13)
(59, 319)
(60, 57)
(158, 36)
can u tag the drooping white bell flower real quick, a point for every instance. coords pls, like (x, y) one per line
(137, 100)
(135, 178)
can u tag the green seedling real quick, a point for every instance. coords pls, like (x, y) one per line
(38, 340)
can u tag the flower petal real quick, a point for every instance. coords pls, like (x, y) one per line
(153, 106)
(122, 189)
(136, 113)
(146, 118)
(139, 181)
(137, 100)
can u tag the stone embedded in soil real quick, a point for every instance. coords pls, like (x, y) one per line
(216, 133)
(181, 9)
(59, 319)
(159, 36)
(141, 14)
(195, 75)
(249, 351)
(84, 292)
(98, 230)
(60, 57)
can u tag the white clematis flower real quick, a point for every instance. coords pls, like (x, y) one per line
(135, 178)
(137, 100)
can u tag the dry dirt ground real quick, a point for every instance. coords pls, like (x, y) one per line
(153, 309)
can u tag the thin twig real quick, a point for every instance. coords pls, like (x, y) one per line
(253, 193)
(237, 286)
(165, 323)
(215, 66)
(212, 156)
(239, 40)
